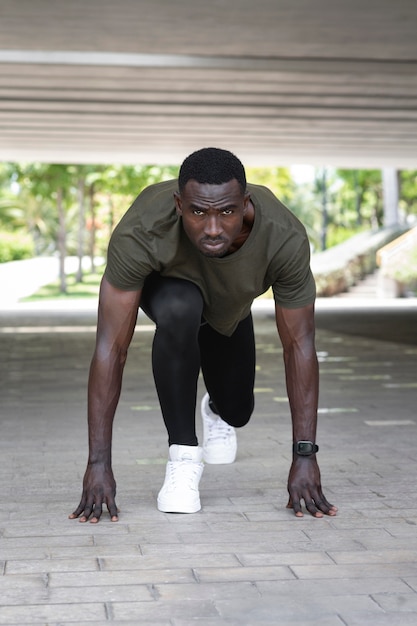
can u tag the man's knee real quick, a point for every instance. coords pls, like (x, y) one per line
(181, 310)
(179, 305)
(238, 414)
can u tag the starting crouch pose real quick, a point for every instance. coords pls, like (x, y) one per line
(193, 253)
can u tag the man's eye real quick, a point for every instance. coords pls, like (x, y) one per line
(227, 211)
(198, 212)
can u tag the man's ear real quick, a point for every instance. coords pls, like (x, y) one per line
(177, 199)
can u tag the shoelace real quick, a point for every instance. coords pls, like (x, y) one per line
(183, 470)
(218, 429)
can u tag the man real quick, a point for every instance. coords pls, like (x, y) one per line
(193, 254)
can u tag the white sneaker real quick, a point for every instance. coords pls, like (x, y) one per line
(219, 445)
(179, 493)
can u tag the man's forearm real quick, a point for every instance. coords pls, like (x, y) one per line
(302, 378)
(296, 329)
(104, 387)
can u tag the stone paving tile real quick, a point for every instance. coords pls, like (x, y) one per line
(293, 609)
(173, 551)
(53, 614)
(388, 570)
(126, 563)
(95, 552)
(281, 558)
(96, 594)
(371, 619)
(397, 602)
(180, 607)
(250, 574)
(42, 566)
(125, 577)
(19, 589)
(46, 541)
(380, 556)
(209, 591)
(350, 587)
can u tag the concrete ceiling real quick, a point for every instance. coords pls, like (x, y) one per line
(276, 81)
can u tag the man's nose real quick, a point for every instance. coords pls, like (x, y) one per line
(212, 227)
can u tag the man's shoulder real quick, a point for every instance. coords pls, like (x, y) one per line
(153, 200)
(273, 210)
(160, 190)
(154, 205)
(264, 196)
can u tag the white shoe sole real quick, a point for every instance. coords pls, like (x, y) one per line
(168, 505)
(216, 457)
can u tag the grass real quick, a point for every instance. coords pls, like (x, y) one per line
(88, 288)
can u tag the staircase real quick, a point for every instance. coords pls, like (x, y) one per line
(379, 283)
(366, 288)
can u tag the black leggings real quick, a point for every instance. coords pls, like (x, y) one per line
(183, 344)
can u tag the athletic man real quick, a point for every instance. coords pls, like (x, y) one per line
(193, 254)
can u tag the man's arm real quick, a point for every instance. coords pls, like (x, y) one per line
(296, 328)
(117, 314)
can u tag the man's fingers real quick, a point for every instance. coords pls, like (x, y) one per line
(80, 509)
(296, 506)
(312, 509)
(316, 507)
(113, 511)
(323, 505)
(93, 512)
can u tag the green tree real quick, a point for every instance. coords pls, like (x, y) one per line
(25, 208)
(277, 179)
(408, 194)
(359, 200)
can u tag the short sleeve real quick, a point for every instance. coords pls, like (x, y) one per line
(293, 283)
(127, 264)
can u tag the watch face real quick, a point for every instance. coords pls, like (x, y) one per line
(305, 447)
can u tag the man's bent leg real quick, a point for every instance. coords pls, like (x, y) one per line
(228, 367)
(176, 307)
(229, 371)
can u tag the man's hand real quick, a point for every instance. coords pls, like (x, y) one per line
(99, 487)
(304, 483)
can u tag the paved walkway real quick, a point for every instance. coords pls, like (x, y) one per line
(244, 560)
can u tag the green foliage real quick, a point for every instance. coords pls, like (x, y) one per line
(337, 234)
(408, 192)
(15, 246)
(298, 198)
(277, 179)
(29, 196)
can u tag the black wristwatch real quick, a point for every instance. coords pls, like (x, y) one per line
(305, 448)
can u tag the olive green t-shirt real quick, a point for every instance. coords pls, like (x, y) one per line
(150, 238)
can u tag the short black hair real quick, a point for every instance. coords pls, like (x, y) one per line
(213, 166)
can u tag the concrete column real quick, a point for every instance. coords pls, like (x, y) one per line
(391, 196)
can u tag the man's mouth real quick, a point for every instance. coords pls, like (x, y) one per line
(219, 241)
(213, 245)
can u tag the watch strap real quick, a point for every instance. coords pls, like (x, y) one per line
(305, 448)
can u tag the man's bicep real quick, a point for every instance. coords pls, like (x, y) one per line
(117, 314)
(295, 325)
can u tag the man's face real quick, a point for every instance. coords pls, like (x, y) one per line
(212, 215)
